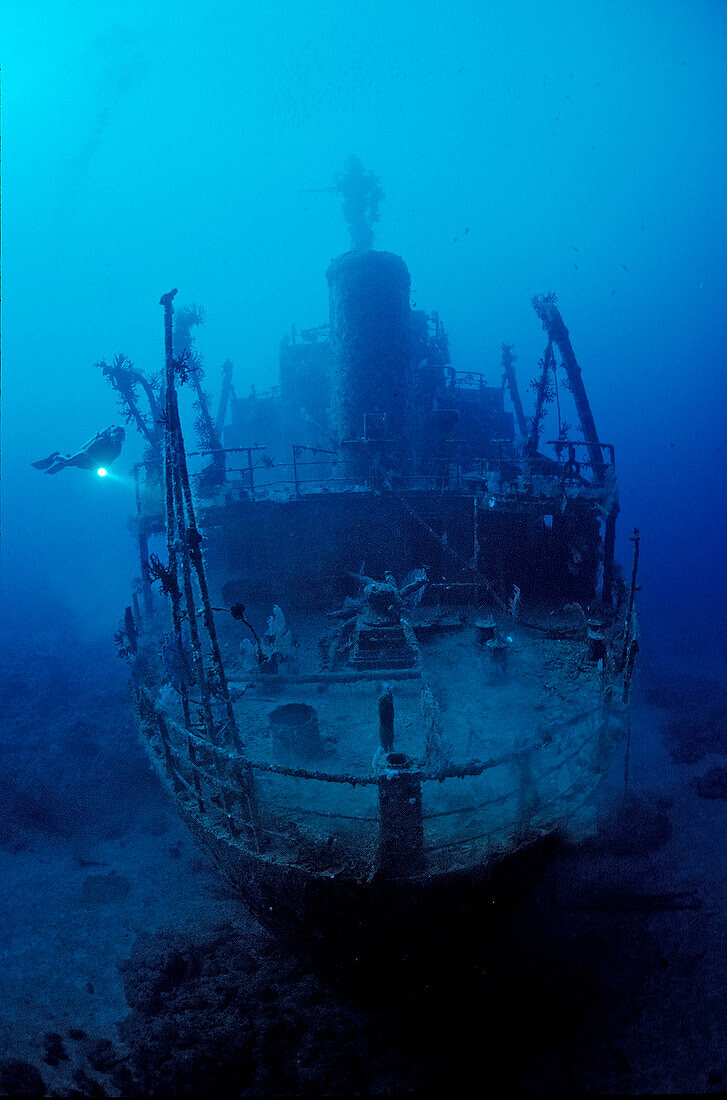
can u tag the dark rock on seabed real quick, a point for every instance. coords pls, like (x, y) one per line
(697, 714)
(711, 785)
(19, 1078)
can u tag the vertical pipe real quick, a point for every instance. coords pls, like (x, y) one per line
(632, 650)
(199, 669)
(174, 594)
(609, 549)
(631, 641)
(401, 828)
(508, 360)
(250, 473)
(295, 470)
(636, 539)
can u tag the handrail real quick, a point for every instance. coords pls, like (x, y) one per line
(556, 471)
(585, 443)
(178, 762)
(469, 769)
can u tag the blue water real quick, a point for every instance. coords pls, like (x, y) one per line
(522, 148)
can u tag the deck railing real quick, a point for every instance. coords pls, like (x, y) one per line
(261, 474)
(533, 795)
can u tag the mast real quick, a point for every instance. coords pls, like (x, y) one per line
(508, 367)
(183, 346)
(542, 397)
(224, 398)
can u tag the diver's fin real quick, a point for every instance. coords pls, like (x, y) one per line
(44, 463)
(58, 465)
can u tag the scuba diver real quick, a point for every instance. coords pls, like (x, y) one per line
(97, 453)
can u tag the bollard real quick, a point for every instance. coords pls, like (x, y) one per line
(401, 829)
(497, 648)
(596, 634)
(485, 630)
(294, 731)
(386, 720)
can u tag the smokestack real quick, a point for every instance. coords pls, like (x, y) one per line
(371, 349)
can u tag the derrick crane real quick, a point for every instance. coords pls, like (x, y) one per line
(546, 309)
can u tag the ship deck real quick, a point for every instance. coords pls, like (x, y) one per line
(486, 710)
(530, 732)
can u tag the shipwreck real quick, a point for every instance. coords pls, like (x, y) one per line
(380, 647)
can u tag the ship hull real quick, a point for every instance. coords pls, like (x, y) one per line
(356, 929)
(353, 916)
